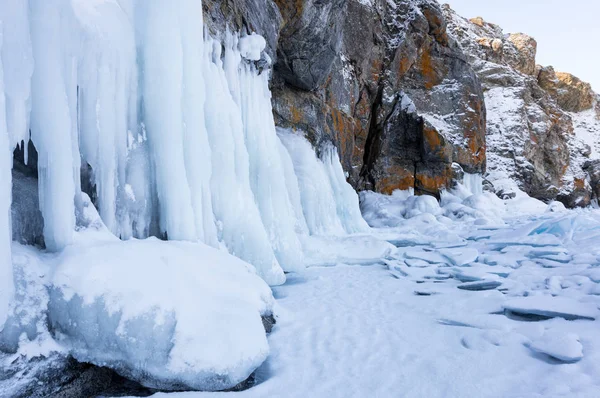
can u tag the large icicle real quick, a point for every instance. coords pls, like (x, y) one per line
(291, 181)
(346, 199)
(17, 59)
(239, 220)
(267, 177)
(197, 150)
(163, 114)
(173, 96)
(107, 76)
(6, 273)
(318, 200)
(51, 120)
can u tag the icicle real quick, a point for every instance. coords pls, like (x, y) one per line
(197, 152)
(346, 199)
(318, 200)
(162, 83)
(6, 272)
(17, 60)
(107, 71)
(233, 202)
(291, 182)
(51, 123)
(267, 178)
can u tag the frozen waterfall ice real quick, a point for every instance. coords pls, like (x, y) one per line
(170, 130)
(6, 273)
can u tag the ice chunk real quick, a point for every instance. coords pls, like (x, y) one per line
(460, 256)
(431, 257)
(480, 285)
(170, 315)
(357, 249)
(551, 307)
(565, 347)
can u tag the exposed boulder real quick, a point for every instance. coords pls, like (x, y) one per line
(571, 94)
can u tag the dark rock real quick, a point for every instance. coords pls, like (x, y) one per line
(58, 376)
(26, 217)
(268, 322)
(529, 131)
(592, 168)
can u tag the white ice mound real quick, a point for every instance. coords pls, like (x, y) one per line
(564, 347)
(171, 315)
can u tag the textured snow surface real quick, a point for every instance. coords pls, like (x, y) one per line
(406, 325)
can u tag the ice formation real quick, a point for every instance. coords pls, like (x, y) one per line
(6, 272)
(175, 135)
(171, 133)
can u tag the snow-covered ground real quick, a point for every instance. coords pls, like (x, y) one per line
(467, 305)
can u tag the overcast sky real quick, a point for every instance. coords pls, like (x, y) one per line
(567, 31)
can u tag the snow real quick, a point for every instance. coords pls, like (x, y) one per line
(251, 46)
(564, 347)
(169, 314)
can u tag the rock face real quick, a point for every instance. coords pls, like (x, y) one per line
(571, 94)
(535, 115)
(385, 83)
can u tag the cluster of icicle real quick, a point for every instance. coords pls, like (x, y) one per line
(177, 128)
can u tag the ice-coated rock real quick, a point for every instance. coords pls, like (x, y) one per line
(170, 315)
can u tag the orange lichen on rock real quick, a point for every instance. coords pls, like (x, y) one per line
(397, 178)
(579, 183)
(432, 183)
(290, 9)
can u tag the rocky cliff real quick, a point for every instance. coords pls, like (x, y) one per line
(541, 123)
(380, 79)
(402, 87)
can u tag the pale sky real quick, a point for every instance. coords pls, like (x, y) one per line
(567, 31)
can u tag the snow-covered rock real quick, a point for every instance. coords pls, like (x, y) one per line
(170, 315)
(532, 113)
